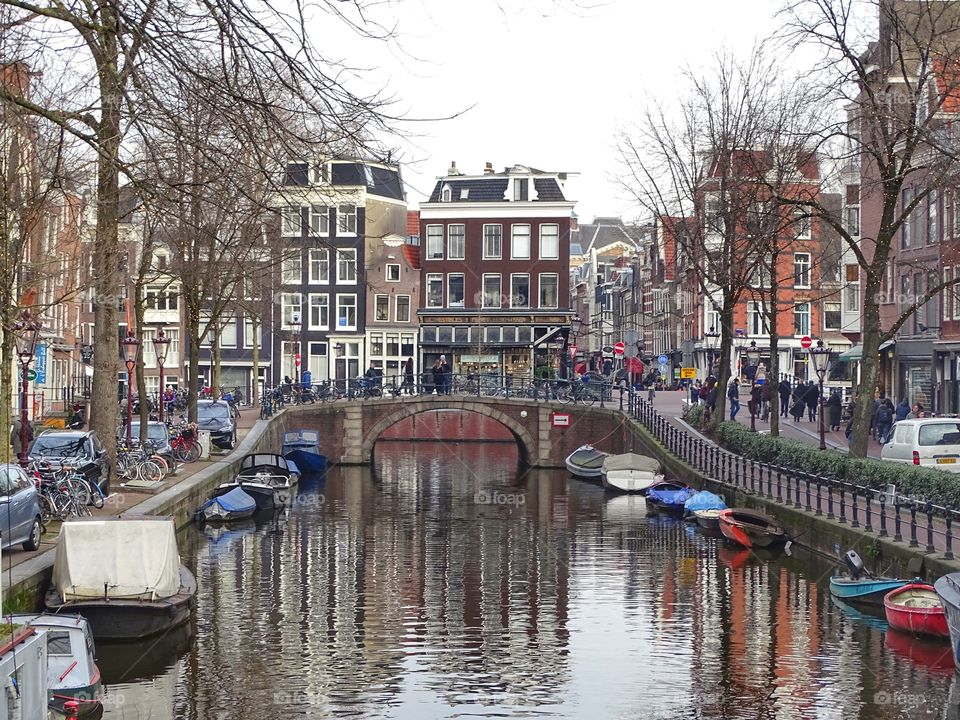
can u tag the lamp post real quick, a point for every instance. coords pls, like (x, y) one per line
(295, 338)
(753, 361)
(26, 331)
(820, 357)
(710, 340)
(160, 344)
(131, 344)
(576, 325)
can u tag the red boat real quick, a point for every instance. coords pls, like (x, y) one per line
(751, 529)
(916, 608)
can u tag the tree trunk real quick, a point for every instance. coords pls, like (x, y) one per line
(723, 376)
(863, 398)
(773, 375)
(254, 381)
(193, 330)
(6, 383)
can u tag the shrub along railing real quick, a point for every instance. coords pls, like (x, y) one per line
(872, 495)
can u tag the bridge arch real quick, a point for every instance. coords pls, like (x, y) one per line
(526, 443)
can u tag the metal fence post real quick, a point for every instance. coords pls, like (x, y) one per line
(929, 509)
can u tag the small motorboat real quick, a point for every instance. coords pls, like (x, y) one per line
(948, 590)
(303, 447)
(859, 586)
(72, 672)
(668, 496)
(233, 505)
(704, 509)
(269, 478)
(586, 462)
(123, 575)
(750, 528)
(630, 472)
(915, 608)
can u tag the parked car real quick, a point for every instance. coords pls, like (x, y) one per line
(928, 442)
(80, 448)
(157, 433)
(19, 509)
(214, 416)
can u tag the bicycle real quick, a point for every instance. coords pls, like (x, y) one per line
(184, 443)
(266, 405)
(576, 391)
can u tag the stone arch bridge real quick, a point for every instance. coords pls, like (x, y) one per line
(349, 430)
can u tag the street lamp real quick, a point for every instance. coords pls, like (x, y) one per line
(576, 324)
(131, 344)
(710, 340)
(295, 326)
(160, 345)
(820, 357)
(753, 360)
(26, 331)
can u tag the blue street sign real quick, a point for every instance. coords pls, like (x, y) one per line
(40, 364)
(662, 359)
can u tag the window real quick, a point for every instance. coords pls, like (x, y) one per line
(382, 308)
(393, 344)
(802, 224)
(521, 189)
(492, 242)
(406, 345)
(831, 316)
(347, 265)
(853, 219)
(455, 242)
(549, 242)
(321, 173)
(319, 220)
(393, 273)
(549, 290)
(520, 291)
(933, 211)
(905, 299)
(290, 269)
(251, 336)
(491, 291)
(947, 292)
(319, 311)
(376, 344)
(319, 260)
(756, 321)
(368, 175)
(445, 194)
(403, 308)
(801, 319)
(346, 312)
(173, 349)
(290, 305)
(160, 297)
(435, 290)
(906, 231)
(852, 297)
(455, 290)
(801, 270)
(955, 291)
(295, 174)
(520, 242)
(434, 242)
(291, 221)
(228, 333)
(347, 220)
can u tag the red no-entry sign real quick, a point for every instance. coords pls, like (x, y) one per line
(619, 348)
(806, 342)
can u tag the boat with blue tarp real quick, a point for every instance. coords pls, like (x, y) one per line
(233, 505)
(269, 478)
(303, 448)
(704, 508)
(669, 496)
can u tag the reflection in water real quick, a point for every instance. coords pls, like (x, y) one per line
(445, 584)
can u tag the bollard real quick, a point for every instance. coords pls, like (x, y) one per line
(868, 495)
(854, 522)
(929, 509)
(913, 524)
(948, 554)
(897, 535)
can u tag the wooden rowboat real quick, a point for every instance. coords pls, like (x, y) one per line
(916, 608)
(750, 528)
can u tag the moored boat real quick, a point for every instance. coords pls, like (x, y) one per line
(708, 519)
(270, 479)
(303, 448)
(233, 505)
(630, 472)
(669, 496)
(123, 575)
(948, 590)
(860, 587)
(586, 462)
(72, 672)
(704, 509)
(750, 528)
(915, 608)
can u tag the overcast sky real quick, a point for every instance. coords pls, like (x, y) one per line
(545, 83)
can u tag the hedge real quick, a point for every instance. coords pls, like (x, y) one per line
(923, 484)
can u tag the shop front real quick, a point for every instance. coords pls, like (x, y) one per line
(914, 372)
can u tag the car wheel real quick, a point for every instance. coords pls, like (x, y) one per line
(33, 542)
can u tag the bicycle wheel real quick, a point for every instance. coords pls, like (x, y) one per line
(588, 396)
(161, 461)
(565, 394)
(81, 490)
(264, 411)
(149, 471)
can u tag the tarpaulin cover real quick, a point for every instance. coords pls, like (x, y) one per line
(631, 461)
(704, 500)
(133, 558)
(234, 501)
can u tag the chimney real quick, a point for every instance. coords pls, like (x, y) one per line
(488, 169)
(453, 168)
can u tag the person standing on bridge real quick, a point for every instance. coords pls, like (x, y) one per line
(408, 376)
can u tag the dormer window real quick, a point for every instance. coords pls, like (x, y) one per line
(320, 173)
(368, 174)
(464, 193)
(445, 194)
(520, 189)
(295, 174)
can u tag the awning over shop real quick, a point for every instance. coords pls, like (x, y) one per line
(856, 352)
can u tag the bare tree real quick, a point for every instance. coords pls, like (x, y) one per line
(891, 72)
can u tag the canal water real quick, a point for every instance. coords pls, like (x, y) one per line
(444, 583)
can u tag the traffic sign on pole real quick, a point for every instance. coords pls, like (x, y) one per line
(663, 359)
(619, 348)
(806, 342)
(31, 374)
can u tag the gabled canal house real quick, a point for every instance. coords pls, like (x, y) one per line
(495, 259)
(332, 211)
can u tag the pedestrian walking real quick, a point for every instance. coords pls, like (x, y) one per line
(811, 397)
(835, 408)
(408, 376)
(651, 394)
(695, 393)
(902, 410)
(733, 394)
(784, 391)
(884, 420)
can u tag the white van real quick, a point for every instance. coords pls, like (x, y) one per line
(928, 442)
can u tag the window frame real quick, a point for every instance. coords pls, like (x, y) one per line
(463, 301)
(513, 240)
(323, 219)
(386, 272)
(346, 219)
(284, 323)
(342, 260)
(352, 296)
(540, 278)
(438, 240)
(808, 271)
(839, 312)
(462, 236)
(311, 325)
(432, 277)
(291, 266)
(376, 307)
(556, 238)
(801, 332)
(499, 239)
(526, 303)
(323, 262)
(291, 221)
(397, 309)
(485, 296)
